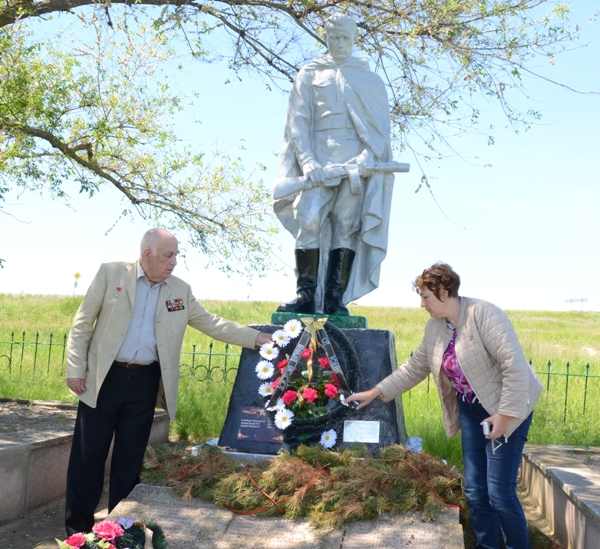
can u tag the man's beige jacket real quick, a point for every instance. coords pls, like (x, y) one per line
(490, 356)
(103, 317)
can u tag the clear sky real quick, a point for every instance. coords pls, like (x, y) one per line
(523, 233)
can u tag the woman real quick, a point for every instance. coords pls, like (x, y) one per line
(482, 376)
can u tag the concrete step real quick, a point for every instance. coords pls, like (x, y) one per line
(35, 444)
(199, 525)
(564, 481)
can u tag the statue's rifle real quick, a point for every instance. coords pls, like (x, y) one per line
(286, 186)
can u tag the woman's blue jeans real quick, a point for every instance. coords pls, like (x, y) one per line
(491, 481)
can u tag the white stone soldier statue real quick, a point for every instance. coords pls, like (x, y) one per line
(338, 114)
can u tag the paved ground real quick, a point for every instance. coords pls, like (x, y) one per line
(195, 524)
(199, 525)
(39, 527)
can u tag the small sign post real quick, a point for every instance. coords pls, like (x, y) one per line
(77, 277)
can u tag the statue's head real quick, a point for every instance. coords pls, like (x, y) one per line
(340, 34)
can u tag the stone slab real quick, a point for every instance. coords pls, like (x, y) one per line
(565, 483)
(186, 524)
(276, 533)
(33, 461)
(341, 321)
(377, 358)
(406, 531)
(199, 525)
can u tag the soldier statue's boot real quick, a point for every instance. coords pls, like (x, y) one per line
(338, 275)
(307, 268)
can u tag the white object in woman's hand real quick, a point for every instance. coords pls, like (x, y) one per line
(365, 398)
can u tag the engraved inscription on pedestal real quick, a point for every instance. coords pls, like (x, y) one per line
(256, 426)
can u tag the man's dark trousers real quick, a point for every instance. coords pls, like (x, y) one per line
(125, 408)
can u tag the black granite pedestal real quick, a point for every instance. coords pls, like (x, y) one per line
(248, 427)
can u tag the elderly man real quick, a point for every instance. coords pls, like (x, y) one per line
(122, 359)
(338, 114)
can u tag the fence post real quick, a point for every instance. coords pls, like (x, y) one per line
(566, 393)
(22, 351)
(587, 374)
(64, 352)
(226, 358)
(548, 382)
(12, 342)
(49, 354)
(35, 351)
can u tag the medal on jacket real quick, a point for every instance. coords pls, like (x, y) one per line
(175, 305)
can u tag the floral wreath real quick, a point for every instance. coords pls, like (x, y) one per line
(307, 405)
(124, 533)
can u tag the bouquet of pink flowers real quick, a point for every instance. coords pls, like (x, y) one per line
(123, 533)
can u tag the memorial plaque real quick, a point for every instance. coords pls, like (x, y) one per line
(255, 425)
(361, 431)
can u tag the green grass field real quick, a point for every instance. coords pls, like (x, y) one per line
(558, 337)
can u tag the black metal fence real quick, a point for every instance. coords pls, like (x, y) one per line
(34, 360)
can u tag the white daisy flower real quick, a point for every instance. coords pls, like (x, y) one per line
(328, 438)
(281, 338)
(264, 369)
(265, 389)
(268, 351)
(283, 418)
(293, 328)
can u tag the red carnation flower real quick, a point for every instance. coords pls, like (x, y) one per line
(307, 353)
(330, 390)
(334, 380)
(275, 383)
(324, 362)
(310, 395)
(289, 397)
(282, 364)
(76, 540)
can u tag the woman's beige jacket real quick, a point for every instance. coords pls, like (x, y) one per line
(488, 353)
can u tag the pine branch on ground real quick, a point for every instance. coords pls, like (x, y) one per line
(331, 488)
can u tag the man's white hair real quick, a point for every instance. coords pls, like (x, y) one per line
(152, 237)
(340, 20)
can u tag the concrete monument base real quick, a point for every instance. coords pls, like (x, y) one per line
(196, 524)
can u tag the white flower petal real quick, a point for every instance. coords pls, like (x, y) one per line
(328, 438)
(283, 418)
(265, 389)
(269, 351)
(264, 370)
(281, 338)
(293, 328)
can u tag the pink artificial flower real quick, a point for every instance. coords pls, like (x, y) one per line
(108, 530)
(330, 390)
(275, 383)
(310, 395)
(334, 380)
(76, 540)
(282, 364)
(307, 353)
(324, 362)
(118, 288)
(289, 397)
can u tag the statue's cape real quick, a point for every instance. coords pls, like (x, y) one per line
(367, 101)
